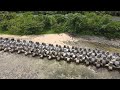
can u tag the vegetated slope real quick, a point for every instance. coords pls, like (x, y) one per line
(89, 23)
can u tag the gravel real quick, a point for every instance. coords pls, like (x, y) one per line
(14, 66)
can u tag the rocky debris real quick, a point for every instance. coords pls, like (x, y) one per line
(96, 57)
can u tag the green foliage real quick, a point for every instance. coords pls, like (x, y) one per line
(78, 22)
(89, 22)
(24, 24)
(111, 30)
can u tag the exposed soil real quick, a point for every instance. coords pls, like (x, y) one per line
(26, 67)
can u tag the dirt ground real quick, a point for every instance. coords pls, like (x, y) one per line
(14, 66)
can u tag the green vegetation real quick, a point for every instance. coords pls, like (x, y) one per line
(75, 22)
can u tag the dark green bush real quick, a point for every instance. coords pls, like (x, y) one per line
(111, 30)
(89, 22)
(27, 23)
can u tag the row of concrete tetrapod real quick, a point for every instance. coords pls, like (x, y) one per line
(96, 57)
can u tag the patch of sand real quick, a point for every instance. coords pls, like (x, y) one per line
(54, 38)
(46, 38)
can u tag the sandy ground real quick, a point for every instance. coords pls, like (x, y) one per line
(14, 66)
(62, 38)
(46, 38)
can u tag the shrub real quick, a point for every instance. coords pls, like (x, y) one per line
(111, 30)
(89, 22)
(27, 23)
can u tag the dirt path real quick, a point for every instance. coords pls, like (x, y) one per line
(22, 67)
